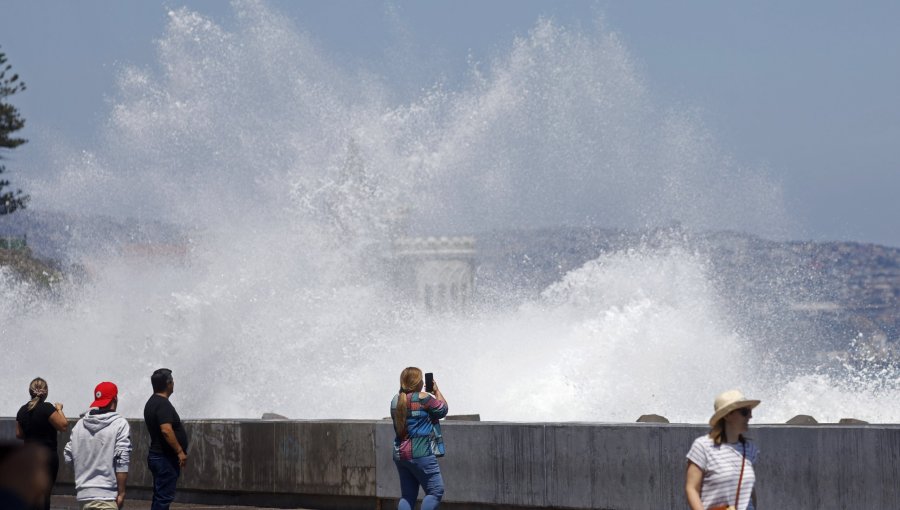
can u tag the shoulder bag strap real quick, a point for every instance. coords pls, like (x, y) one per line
(737, 497)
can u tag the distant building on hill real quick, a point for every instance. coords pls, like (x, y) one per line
(8, 242)
(438, 273)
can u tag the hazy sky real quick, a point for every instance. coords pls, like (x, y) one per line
(809, 91)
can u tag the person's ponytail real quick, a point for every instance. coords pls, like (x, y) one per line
(38, 391)
(410, 381)
(717, 433)
(400, 415)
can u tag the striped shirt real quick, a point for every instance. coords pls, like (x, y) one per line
(721, 466)
(422, 412)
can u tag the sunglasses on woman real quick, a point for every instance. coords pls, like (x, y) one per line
(745, 411)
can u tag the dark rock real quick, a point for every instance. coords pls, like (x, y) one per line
(274, 416)
(852, 421)
(464, 417)
(652, 418)
(802, 419)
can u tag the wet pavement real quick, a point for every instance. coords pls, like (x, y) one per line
(69, 503)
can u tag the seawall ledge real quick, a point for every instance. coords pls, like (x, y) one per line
(347, 464)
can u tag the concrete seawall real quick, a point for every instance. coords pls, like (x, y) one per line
(347, 464)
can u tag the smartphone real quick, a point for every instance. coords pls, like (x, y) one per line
(429, 382)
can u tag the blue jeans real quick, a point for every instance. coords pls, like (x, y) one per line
(426, 472)
(165, 474)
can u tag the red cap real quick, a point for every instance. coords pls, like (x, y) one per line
(104, 393)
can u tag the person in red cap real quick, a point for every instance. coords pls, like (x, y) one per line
(100, 451)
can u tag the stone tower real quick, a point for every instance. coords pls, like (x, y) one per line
(438, 273)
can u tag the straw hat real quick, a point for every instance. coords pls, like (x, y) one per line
(729, 401)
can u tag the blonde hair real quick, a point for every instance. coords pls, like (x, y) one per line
(410, 381)
(38, 390)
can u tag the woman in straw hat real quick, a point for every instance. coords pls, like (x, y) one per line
(720, 471)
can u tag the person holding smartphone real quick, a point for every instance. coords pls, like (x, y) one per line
(720, 469)
(415, 415)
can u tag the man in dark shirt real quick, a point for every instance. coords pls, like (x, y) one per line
(168, 440)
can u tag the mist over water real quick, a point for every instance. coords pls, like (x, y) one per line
(288, 175)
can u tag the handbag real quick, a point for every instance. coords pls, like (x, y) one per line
(737, 497)
(437, 440)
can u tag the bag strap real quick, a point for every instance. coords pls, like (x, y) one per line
(737, 497)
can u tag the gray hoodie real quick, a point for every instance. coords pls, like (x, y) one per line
(100, 447)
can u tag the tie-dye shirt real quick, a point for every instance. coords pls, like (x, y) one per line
(422, 413)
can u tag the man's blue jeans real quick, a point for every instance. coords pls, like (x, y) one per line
(426, 472)
(165, 474)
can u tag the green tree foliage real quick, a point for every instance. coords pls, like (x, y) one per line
(10, 122)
